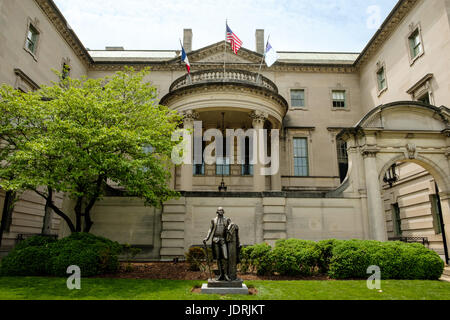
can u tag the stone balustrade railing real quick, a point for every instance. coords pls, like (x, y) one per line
(229, 76)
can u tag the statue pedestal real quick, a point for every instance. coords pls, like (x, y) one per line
(224, 287)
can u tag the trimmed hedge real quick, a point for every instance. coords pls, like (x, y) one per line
(42, 256)
(397, 260)
(295, 257)
(343, 259)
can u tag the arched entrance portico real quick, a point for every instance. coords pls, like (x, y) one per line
(393, 133)
(247, 101)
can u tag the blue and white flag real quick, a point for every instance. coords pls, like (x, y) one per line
(271, 56)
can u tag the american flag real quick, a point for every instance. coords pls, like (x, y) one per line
(236, 43)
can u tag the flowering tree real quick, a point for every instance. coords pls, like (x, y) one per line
(77, 136)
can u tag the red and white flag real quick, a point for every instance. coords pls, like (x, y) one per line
(184, 58)
(232, 38)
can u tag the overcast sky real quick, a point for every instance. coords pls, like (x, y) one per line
(293, 25)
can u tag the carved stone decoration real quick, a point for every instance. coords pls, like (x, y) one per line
(411, 151)
(259, 118)
(447, 153)
(369, 151)
(190, 116)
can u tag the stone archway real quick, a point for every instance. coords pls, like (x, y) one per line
(400, 131)
(414, 203)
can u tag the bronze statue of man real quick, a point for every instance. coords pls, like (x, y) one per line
(218, 232)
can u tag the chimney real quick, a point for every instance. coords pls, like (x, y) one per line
(187, 40)
(259, 35)
(114, 48)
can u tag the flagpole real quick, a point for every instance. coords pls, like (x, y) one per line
(225, 48)
(189, 74)
(262, 60)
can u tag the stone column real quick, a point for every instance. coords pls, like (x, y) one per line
(377, 220)
(187, 169)
(275, 179)
(259, 181)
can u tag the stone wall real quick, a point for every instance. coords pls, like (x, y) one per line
(184, 222)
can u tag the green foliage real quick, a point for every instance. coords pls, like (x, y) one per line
(258, 258)
(94, 255)
(295, 257)
(35, 241)
(397, 260)
(325, 252)
(196, 258)
(76, 135)
(28, 261)
(343, 259)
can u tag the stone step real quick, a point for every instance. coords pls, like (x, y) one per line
(445, 278)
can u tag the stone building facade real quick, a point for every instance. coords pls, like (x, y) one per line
(344, 120)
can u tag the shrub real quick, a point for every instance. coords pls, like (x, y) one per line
(257, 258)
(37, 256)
(262, 258)
(325, 252)
(29, 261)
(245, 261)
(295, 257)
(397, 260)
(35, 241)
(196, 258)
(94, 255)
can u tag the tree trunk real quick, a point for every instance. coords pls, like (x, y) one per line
(78, 214)
(49, 202)
(7, 213)
(48, 217)
(87, 211)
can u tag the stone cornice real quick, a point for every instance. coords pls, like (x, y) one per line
(60, 23)
(402, 8)
(369, 151)
(226, 87)
(283, 67)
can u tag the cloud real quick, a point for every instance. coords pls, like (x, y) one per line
(294, 25)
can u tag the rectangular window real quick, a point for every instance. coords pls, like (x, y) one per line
(223, 166)
(415, 44)
(338, 99)
(381, 76)
(397, 220)
(32, 38)
(301, 167)
(199, 169)
(247, 168)
(298, 98)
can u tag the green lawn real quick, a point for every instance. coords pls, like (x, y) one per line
(37, 288)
